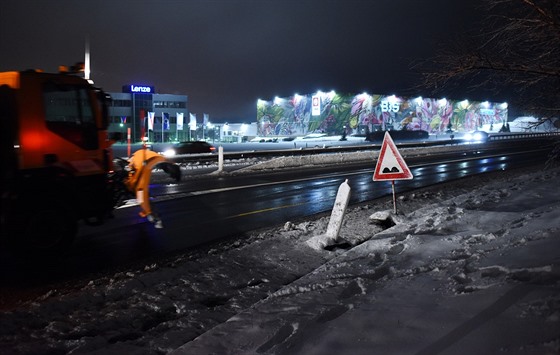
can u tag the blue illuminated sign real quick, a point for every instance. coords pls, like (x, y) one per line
(138, 89)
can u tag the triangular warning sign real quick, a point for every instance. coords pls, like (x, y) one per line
(390, 164)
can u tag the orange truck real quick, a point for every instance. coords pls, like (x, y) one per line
(57, 160)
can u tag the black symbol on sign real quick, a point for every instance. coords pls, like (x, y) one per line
(393, 170)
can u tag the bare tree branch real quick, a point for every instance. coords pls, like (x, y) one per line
(516, 54)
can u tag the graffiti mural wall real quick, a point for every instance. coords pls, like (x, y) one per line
(334, 113)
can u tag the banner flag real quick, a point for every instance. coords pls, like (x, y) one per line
(151, 121)
(179, 121)
(206, 119)
(192, 122)
(165, 122)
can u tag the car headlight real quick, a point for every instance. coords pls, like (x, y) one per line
(478, 136)
(169, 153)
(468, 136)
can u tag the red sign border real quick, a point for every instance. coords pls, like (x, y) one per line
(405, 175)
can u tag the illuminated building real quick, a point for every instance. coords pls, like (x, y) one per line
(334, 114)
(136, 105)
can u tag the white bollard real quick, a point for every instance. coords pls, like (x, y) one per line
(220, 159)
(337, 215)
(339, 209)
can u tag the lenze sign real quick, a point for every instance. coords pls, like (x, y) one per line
(138, 89)
(134, 88)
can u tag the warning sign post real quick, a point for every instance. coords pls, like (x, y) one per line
(391, 166)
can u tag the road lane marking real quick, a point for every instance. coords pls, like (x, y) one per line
(264, 210)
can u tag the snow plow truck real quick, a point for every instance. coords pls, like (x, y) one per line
(58, 169)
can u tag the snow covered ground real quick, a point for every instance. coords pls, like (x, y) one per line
(468, 267)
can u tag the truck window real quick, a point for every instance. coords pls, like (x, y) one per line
(68, 113)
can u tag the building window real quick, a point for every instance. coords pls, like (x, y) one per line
(169, 104)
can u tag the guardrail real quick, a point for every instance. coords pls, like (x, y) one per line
(209, 158)
(522, 135)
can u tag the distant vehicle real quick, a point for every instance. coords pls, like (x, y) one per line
(189, 148)
(476, 137)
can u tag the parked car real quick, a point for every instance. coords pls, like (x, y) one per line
(189, 148)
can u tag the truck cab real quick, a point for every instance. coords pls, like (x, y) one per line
(56, 157)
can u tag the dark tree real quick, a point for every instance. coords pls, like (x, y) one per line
(514, 53)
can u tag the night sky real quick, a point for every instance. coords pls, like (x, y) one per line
(226, 54)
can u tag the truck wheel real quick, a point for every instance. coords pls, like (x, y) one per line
(49, 229)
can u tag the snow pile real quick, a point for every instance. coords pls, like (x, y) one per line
(312, 160)
(467, 267)
(300, 161)
(445, 276)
